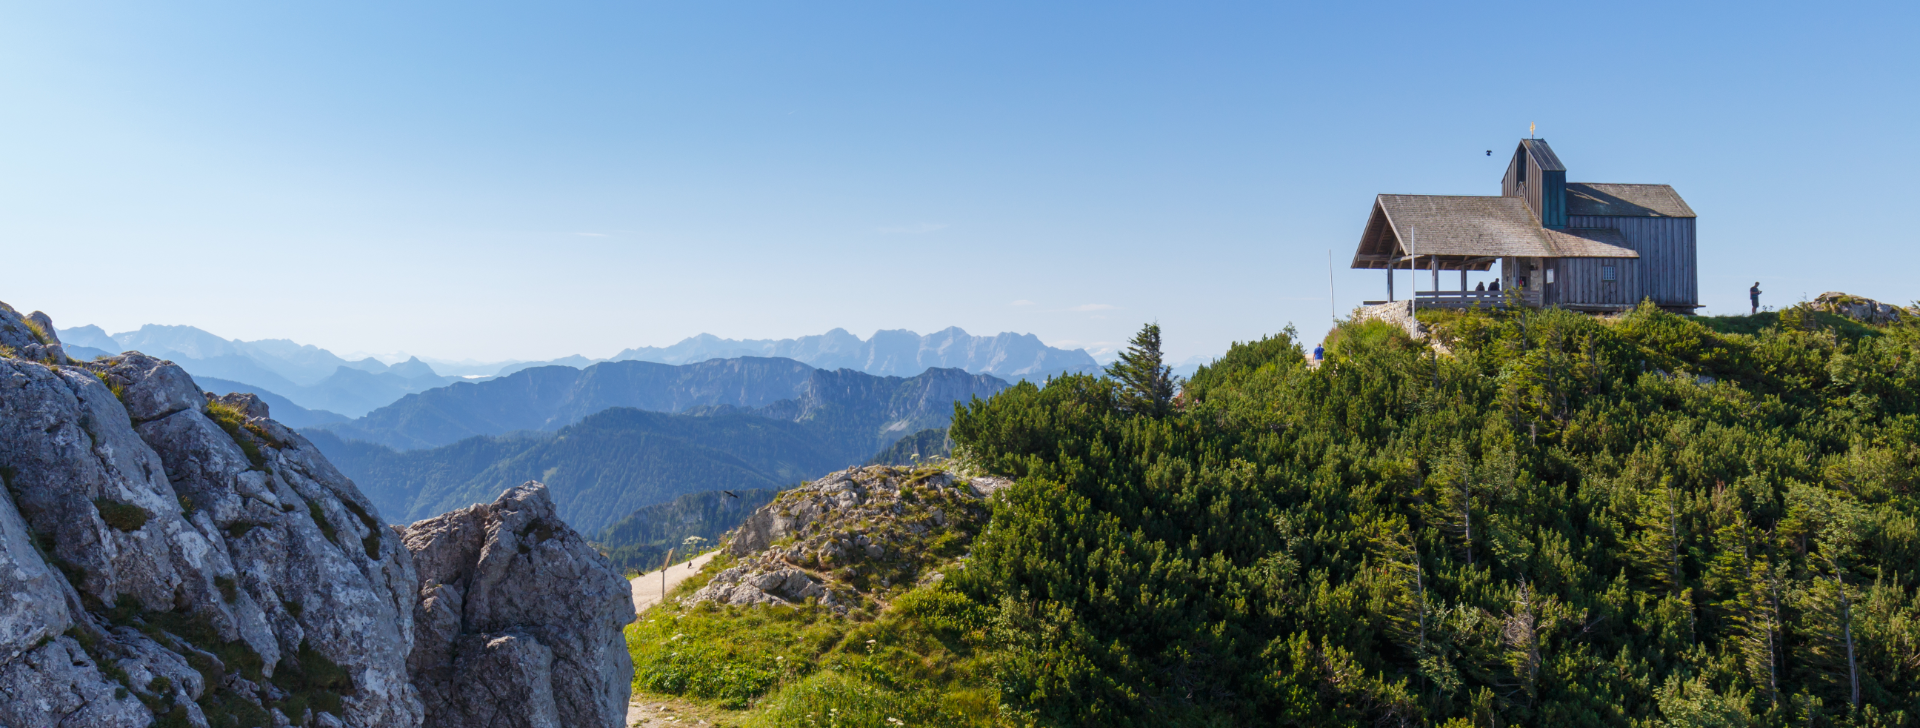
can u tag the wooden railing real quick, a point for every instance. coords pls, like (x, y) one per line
(1469, 299)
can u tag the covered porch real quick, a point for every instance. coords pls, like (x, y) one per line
(1433, 233)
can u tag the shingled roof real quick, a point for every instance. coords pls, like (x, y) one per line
(1625, 200)
(1469, 231)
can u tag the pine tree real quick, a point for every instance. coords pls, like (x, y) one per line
(1520, 634)
(1657, 549)
(1148, 383)
(1453, 503)
(1407, 609)
(1827, 605)
(1751, 591)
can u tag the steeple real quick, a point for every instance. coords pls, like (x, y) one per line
(1537, 176)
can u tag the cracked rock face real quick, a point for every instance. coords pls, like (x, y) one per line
(178, 558)
(518, 619)
(167, 552)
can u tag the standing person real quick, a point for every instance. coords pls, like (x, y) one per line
(1754, 294)
(1319, 352)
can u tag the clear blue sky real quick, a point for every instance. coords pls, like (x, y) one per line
(497, 180)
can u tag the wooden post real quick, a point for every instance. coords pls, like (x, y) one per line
(1433, 266)
(663, 576)
(1413, 275)
(1463, 277)
(1333, 310)
(1390, 279)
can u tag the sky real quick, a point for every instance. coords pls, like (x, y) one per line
(488, 181)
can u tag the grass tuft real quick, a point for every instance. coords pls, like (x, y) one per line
(231, 419)
(122, 516)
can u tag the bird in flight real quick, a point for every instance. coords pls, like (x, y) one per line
(1489, 152)
(730, 493)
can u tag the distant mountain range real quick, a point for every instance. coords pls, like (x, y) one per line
(897, 352)
(307, 375)
(549, 398)
(612, 462)
(313, 378)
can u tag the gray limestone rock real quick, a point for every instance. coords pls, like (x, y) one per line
(513, 603)
(507, 681)
(59, 685)
(135, 506)
(160, 546)
(839, 539)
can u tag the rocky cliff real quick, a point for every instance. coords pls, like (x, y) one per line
(174, 558)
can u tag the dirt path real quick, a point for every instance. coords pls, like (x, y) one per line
(646, 587)
(660, 711)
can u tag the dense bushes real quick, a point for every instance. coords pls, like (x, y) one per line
(1568, 521)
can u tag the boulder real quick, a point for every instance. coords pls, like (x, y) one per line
(516, 609)
(840, 538)
(1858, 308)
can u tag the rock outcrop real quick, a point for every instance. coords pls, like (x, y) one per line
(1864, 310)
(847, 540)
(174, 558)
(519, 619)
(208, 559)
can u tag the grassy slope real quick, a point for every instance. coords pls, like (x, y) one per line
(778, 666)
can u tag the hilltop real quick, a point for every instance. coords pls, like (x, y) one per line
(1636, 520)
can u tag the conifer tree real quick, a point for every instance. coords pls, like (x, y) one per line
(1827, 606)
(1147, 382)
(1751, 591)
(1657, 549)
(1453, 498)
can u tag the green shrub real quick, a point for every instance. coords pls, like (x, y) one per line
(312, 681)
(371, 542)
(1547, 525)
(320, 519)
(122, 516)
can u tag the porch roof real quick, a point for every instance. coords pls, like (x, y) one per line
(1463, 232)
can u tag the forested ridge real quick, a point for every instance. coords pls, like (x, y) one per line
(1565, 520)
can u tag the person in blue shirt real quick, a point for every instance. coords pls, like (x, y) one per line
(1754, 294)
(1319, 352)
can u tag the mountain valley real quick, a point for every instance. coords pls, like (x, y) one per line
(620, 458)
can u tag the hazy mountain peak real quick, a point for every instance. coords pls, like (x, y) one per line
(890, 352)
(168, 340)
(413, 368)
(90, 336)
